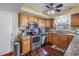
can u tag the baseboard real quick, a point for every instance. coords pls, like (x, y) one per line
(8, 54)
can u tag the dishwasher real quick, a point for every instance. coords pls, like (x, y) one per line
(43, 38)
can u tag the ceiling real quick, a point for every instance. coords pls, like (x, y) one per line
(41, 6)
(35, 9)
(11, 7)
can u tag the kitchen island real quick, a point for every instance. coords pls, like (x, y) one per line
(73, 49)
(59, 40)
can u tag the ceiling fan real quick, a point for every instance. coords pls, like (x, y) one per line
(53, 7)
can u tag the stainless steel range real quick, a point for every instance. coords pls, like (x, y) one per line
(36, 42)
(37, 35)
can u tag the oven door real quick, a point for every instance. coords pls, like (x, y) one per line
(36, 42)
(36, 39)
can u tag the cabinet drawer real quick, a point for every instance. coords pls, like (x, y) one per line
(25, 43)
(24, 47)
(25, 39)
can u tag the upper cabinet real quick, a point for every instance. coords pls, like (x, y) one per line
(23, 20)
(48, 23)
(75, 20)
(43, 22)
(31, 19)
(40, 23)
(36, 20)
(52, 23)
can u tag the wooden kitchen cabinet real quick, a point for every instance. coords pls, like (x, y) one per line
(52, 23)
(55, 39)
(40, 22)
(52, 38)
(59, 39)
(43, 22)
(75, 20)
(25, 45)
(31, 19)
(23, 20)
(36, 20)
(49, 38)
(48, 23)
(70, 37)
(63, 40)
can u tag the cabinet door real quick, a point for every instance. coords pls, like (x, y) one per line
(70, 37)
(43, 22)
(40, 22)
(36, 20)
(47, 38)
(75, 20)
(63, 40)
(51, 23)
(50, 38)
(55, 39)
(23, 20)
(25, 45)
(48, 23)
(31, 19)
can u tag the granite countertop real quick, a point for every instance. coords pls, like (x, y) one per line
(73, 49)
(63, 33)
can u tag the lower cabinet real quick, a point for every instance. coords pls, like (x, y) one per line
(63, 40)
(59, 39)
(55, 39)
(49, 38)
(70, 37)
(25, 45)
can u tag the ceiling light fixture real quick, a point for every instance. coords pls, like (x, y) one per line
(51, 12)
(53, 8)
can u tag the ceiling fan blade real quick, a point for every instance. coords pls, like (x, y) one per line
(58, 6)
(58, 10)
(50, 8)
(47, 6)
(51, 4)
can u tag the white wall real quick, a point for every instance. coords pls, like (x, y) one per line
(13, 29)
